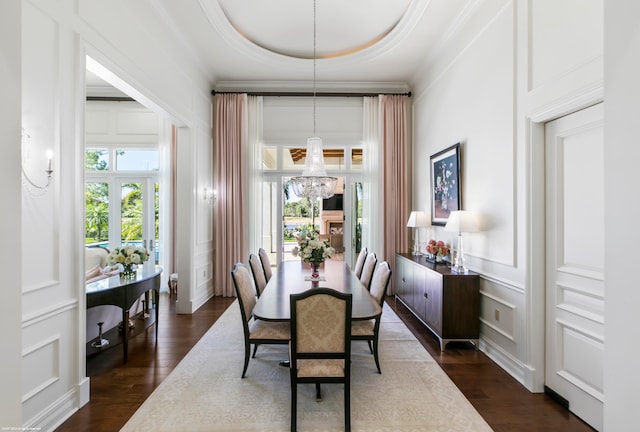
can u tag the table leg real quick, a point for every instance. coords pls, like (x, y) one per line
(156, 296)
(125, 333)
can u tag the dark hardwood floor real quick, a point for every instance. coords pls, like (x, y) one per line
(117, 390)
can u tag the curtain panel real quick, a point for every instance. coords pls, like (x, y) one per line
(230, 223)
(372, 211)
(254, 172)
(395, 203)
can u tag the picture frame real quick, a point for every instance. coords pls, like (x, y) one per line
(446, 192)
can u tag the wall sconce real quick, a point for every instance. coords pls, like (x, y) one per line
(30, 185)
(209, 194)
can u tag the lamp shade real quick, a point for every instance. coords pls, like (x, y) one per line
(418, 219)
(462, 221)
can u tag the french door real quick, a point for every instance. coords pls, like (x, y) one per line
(277, 214)
(127, 209)
(136, 214)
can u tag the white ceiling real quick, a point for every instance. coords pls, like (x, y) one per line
(362, 45)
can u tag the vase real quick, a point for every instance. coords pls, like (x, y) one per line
(314, 270)
(128, 272)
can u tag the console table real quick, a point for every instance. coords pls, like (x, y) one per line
(446, 302)
(123, 293)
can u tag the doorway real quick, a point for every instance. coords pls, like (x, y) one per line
(574, 285)
(122, 197)
(281, 215)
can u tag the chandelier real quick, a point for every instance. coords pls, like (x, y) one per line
(314, 182)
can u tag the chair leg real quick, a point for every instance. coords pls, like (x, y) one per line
(347, 406)
(370, 346)
(247, 351)
(375, 354)
(294, 405)
(318, 392)
(255, 348)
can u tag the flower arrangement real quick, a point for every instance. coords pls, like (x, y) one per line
(437, 249)
(128, 256)
(312, 250)
(444, 182)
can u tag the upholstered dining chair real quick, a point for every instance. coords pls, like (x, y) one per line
(362, 256)
(258, 273)
(266, 263)
(368, 330)
(256, 332)
(320, 349)
(368, 269)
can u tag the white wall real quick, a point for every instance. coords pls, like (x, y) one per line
(10, 228)
(510, 67)
(129, 39)
(622, 178)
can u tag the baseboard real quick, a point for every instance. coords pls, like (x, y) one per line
(58, 412)
(506, 361)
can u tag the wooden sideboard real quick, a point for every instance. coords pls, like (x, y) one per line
(446, 302)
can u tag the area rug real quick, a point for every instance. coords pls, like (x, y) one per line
(205, 392)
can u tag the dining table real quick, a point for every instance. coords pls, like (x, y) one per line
(293, 277)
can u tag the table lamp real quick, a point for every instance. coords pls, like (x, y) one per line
(461, 221)
(417, 219)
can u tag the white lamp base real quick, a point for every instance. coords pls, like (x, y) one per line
(416, 250)
(459, 269)
(458, 266)
(416, 243)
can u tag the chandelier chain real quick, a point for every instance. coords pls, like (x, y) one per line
(314, 68)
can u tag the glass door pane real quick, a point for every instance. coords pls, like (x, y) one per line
(97, 213)
(154, 248)
(356, 221)
(332, 217)
(270, 220)
(300, 216)
(131, 213)
(139, 211)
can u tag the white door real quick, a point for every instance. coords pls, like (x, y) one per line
(574, 264)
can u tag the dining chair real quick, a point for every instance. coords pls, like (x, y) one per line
(256, 332)
(266, 263)
(320, 349)
(368, 330)
(368, 269)
(357, 268)
(258, 273)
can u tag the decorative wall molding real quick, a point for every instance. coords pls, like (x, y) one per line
(48, 351)
(48, 313)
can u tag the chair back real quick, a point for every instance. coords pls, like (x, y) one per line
(320, 350)
(266, 263)
(320, 325)
(357, 269)
(258, 273)
(368, 269)
(244, 291)
(380, 281)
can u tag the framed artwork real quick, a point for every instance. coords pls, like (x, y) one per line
(445, 184)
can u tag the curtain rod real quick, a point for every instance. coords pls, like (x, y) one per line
(111, 98)
(311, 94)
